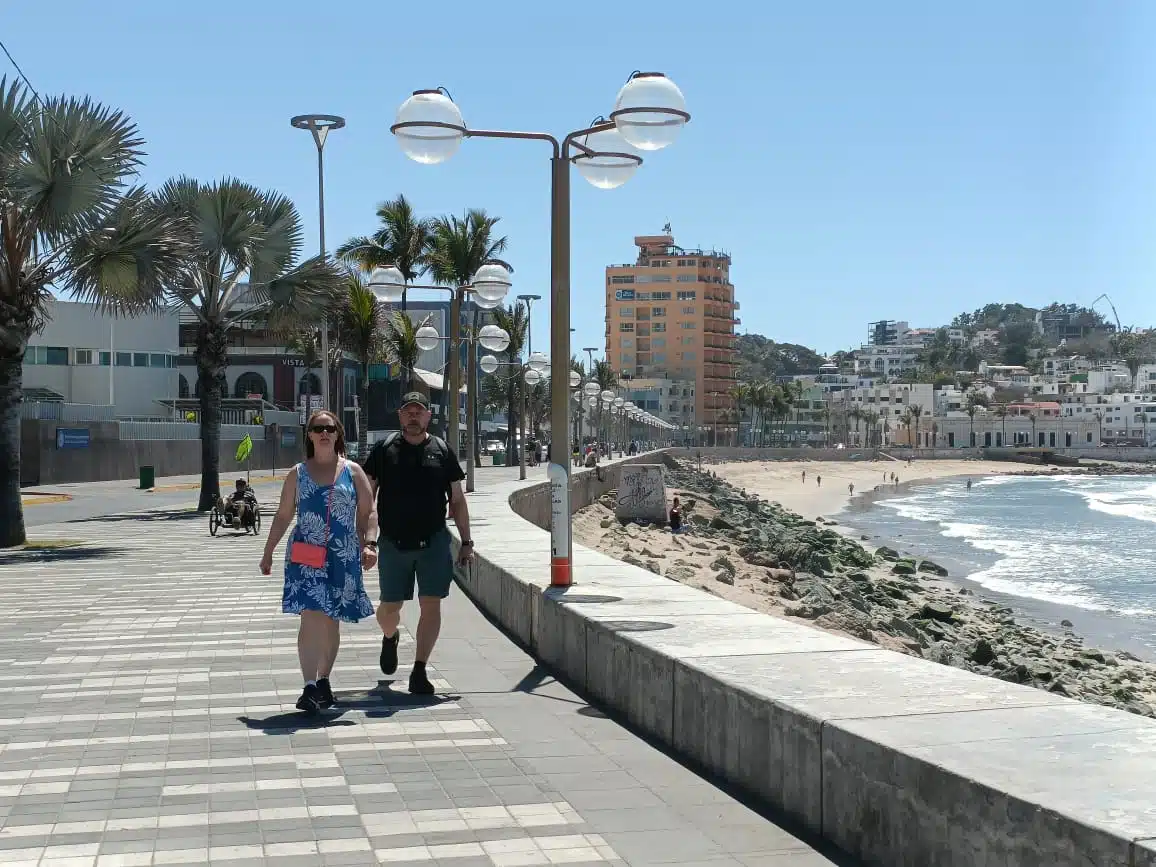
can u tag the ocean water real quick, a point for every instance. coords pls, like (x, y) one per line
(1083, 541)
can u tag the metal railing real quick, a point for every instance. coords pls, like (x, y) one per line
(54, 411)
(184, 430)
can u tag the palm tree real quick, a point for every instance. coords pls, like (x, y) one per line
(759, 398)
(514, 320)
(459, 247)
(971, 409)
(871, 419)
(1032, 418)
(305, 342)
(856, 415)
(403, 241)
(360, 318)
(739, 392)
(916, 413)
(399, 345)
(1001, 413)
(607, 380)
(243, 266)
(68, 219)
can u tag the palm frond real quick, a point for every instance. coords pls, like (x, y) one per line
(359, 317)
(130, 260)
(73, 163)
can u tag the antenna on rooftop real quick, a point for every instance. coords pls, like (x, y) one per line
(666, 229)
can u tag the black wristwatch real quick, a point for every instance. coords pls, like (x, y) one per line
(371, 544)
(467, 543)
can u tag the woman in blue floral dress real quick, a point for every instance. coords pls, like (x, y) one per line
(336, 535)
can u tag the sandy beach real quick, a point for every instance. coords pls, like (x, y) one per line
(782, 481)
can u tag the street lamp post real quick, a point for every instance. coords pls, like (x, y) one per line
(648, 115)
(320, 125)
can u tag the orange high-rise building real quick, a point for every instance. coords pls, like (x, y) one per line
(671, 315)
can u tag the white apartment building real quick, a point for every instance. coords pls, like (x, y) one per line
(887, 360)
(985, 336)
(1005, 375)
(1120, 416)
(88, 357)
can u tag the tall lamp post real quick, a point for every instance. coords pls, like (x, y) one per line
(649, 113)
(320, 125)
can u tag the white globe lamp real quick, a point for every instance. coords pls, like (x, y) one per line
(429, 127)
(650, 111)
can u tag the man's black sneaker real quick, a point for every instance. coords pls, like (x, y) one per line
(418, 682)
(310, 700)
(388, 658)
(325, 693)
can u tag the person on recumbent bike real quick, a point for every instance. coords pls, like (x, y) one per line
(239, 507)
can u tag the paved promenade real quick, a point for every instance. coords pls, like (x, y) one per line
(149, 720)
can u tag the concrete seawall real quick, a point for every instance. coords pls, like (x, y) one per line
(899, 761)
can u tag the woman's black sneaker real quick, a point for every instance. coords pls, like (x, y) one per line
(388, 658)
(310, 700)
(325, 693)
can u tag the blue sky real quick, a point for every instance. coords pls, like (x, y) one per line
(902, 160)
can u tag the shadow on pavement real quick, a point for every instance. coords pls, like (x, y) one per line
(295, 721)
(57, 555)
(183, 514)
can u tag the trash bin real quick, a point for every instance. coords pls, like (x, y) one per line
(499, 459)
(148, 478)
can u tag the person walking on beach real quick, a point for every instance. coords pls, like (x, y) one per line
(414, 475)
(675, 518)
(819, 481)
(804, 475)
(336, 535)
(851, 489)
(969, 484)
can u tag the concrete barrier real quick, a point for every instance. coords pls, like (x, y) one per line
(107, 457)
(898, 761)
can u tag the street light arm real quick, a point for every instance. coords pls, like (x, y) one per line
(496, 133)
(572, 139)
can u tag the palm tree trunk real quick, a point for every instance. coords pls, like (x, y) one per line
(211, 357)
(12, 531)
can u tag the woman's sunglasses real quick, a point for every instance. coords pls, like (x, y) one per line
(324, 428)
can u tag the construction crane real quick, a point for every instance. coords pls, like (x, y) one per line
(1105, 297)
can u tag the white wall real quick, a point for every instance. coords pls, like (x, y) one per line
(134, 389)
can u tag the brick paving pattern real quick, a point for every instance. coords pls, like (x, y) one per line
(149, 720)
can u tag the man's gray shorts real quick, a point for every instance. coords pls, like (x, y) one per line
(432, 566)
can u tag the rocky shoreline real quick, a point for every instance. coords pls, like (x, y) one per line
(759, 554)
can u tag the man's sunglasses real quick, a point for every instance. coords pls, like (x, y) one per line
(324, 428)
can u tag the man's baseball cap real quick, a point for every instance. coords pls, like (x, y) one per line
(415, 397)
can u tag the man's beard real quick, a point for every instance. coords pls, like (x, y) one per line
(414, 427)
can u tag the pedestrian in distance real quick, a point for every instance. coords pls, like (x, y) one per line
(675, 518)
(804, 475)
(336, 534)
(819, 481)
(414, 475)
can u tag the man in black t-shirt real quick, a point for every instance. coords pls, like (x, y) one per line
(414, 475)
